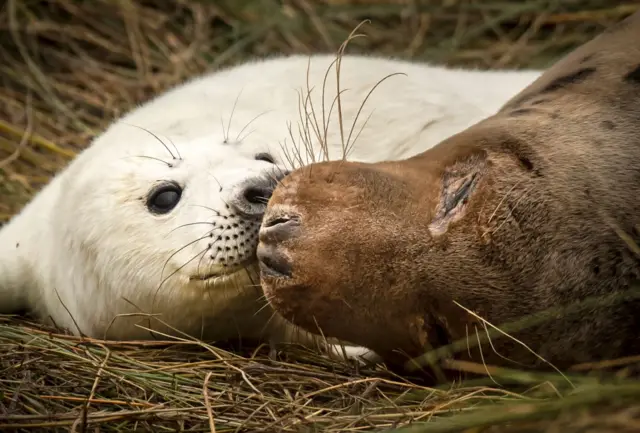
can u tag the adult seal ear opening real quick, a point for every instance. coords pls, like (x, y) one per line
(529, 209)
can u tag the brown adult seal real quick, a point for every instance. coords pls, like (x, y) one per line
(522, 212)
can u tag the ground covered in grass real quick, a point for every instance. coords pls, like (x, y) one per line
(51, 380)
(68, 68)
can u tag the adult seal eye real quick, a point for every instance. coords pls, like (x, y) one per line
(266, 157)
(163, 198)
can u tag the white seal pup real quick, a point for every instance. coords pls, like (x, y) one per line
(160, 214)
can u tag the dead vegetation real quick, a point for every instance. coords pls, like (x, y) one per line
(55, 381)
(69, 68)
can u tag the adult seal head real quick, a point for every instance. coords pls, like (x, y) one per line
(531, 209)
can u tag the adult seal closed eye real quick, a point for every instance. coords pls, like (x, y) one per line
(152, 230)
(530, 209)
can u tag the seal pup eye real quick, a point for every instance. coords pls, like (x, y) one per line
(163, 198)
(266, 157)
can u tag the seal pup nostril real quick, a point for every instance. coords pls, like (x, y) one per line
(251, 197)
(279, 228)
(256, 195)
(273, 262)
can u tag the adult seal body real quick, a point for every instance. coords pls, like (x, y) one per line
(160, 214)
(531, 209)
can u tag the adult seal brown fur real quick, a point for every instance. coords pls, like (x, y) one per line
(531, 209)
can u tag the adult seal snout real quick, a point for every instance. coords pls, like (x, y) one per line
(531, 209)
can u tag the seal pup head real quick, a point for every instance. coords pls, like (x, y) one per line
(518, 214)
(142, 222)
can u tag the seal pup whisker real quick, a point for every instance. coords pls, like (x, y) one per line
(209, 223)
(217, 181)
(175, 158)
(217, 212)
(179, 269)
(168, 164)
(233, 110)
(238, 139)
(208, 235)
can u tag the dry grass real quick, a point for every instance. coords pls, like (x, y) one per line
(69, 68)
(50, 380)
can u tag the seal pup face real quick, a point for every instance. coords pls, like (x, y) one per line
(164, 221)
(518, 214)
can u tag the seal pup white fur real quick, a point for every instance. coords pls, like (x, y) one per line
(160, 213)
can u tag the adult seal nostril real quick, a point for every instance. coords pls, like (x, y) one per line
(279, 229)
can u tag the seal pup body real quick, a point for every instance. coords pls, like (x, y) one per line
(528, 210)
(159, 215)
